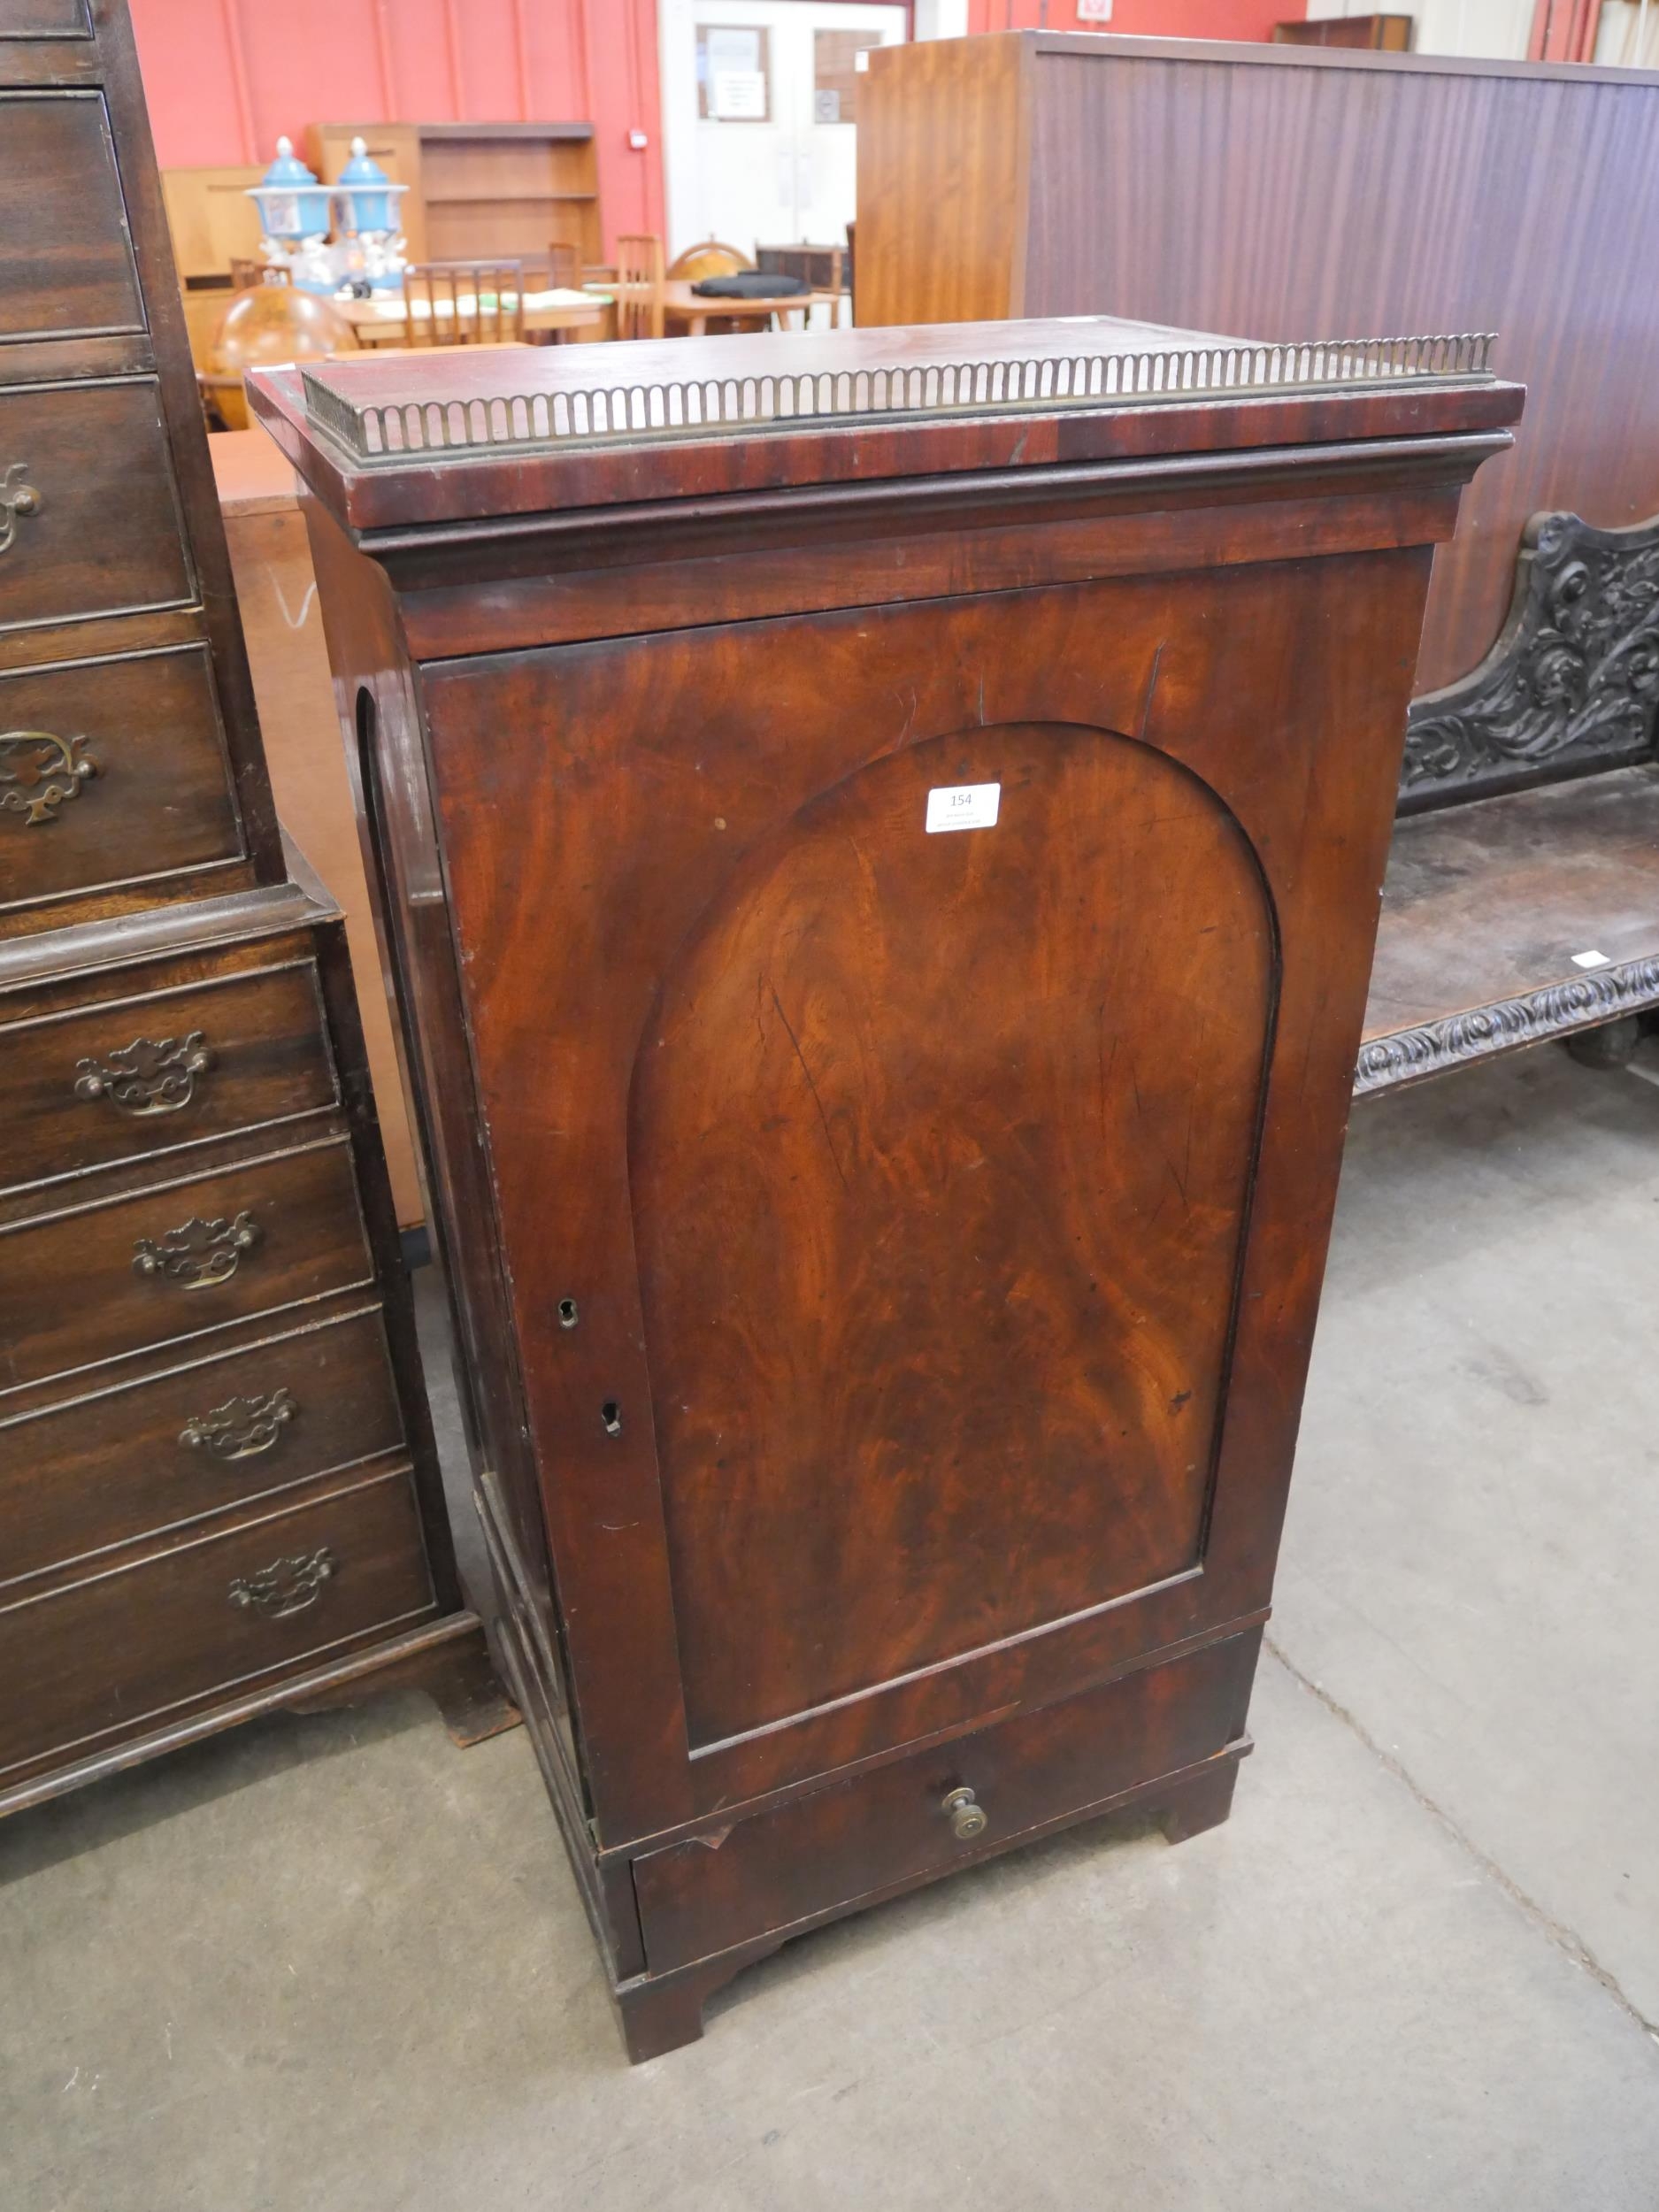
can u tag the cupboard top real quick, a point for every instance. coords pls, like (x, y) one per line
(414, 439)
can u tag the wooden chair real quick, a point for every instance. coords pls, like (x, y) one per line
(468, 303)
(640, 286)
(563, 265)
(708, 258)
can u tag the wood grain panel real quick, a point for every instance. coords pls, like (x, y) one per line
(957, 144)
(106, 535)
(65, 260)
(877, 1132)
(1316, 196)
(1277, 193)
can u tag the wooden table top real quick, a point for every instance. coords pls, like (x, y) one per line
(251, 473)
(1487, 904)
(558, 309)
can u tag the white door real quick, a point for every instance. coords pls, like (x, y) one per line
(759, 107)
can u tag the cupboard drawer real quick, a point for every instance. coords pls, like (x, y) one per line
(198, 1440)
(110, 1656)
(111, 771)
(137, 1076)
(66, 259)
(892, 1827)
(91, 523)
(178, 1259)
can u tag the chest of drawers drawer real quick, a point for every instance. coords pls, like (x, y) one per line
(196, 1442)
(111, 771)
(46, 18)
(125, 1647)
(134, 1077)
(65, 260)
(89, 517)
(177, 1259)
(938, 1808)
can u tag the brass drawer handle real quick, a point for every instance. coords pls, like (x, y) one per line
(198, 1254)
(287, 1585)
(147, 1076)
(967, 1815)
(54, 771)
(242, 1428)
(18, 502)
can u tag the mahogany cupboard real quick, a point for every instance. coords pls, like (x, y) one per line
(880, 836)
(218, 1492)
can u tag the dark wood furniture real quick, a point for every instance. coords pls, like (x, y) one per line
(217, 1488)
(825, 268)
(1385, 33)
(886, 1261)
(1320, 193)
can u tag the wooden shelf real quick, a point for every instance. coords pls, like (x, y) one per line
(1485, 904)
(481, 190)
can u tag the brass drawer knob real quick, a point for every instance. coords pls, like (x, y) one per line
(242, 1427)
(147, 1076)
(198, 1254)
(967, 1815)
(287, 1585)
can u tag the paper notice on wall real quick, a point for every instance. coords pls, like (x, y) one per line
(732, 51)
(738, 95)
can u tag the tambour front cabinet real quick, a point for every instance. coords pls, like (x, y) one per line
(217, 1487)
(879, 837)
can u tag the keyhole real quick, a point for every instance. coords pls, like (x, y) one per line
(567, 1313)
(611, 1414)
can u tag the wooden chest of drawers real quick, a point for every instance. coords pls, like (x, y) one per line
(882, 835)
(218, 1491)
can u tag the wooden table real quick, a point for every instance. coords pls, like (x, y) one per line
(1512, 921)
(381, 319)
(688, 312)
(276, 589)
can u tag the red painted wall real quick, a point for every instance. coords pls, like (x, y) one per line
(1249, 20)
(226, 78)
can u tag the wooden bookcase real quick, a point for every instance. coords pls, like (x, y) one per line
(479, 188)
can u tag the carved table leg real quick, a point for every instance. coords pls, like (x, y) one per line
(1203, 1802)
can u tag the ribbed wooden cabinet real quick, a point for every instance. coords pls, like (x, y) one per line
(880, 837)
(219, 1491)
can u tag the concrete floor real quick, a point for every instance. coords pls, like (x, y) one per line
(336, 1963)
